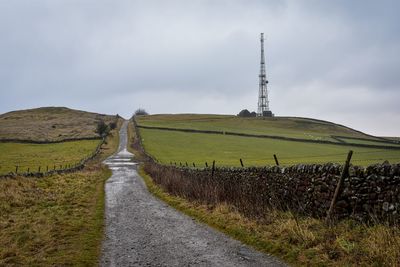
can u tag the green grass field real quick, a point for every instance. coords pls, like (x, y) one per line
(298, 240)
(366, 142)
(226, 150)
(56, 220)
(300, 128)
(34, 155)
(397, 139)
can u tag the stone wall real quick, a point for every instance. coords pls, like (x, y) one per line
(337, 142)
(371, 193)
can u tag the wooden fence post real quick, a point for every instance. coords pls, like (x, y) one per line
(186, 164)
(27, 170)
(276, 160)
(194, 165)
(345, 173)
(16, 169)
(206, 164)
(39, 169)
(213, 169)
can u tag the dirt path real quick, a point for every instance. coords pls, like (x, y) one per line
(143, 231)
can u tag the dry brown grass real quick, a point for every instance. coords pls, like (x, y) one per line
(299, 241)
(50, 124)
(56, 220)
(383, 244)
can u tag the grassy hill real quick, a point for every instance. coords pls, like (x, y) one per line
(175, 146)
(292, 127)
(54, 220)
(50, 124)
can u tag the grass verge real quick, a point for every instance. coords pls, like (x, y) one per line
(299, 241)
(56, 220)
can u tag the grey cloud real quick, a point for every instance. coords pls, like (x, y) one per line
(203, 56)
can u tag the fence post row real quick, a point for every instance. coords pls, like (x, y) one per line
(345, 173)
(276, 160)
(67, 166)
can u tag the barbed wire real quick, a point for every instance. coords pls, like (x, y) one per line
(383, 158)
(372, 151)
(31, 165)
(33, 162)
(314, 156)
(339, 157)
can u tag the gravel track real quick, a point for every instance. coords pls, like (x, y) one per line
(141, 230)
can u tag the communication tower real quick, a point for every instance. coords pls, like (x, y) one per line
(263, 102)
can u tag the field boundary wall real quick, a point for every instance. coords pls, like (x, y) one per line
(66, 169)
(266, 136)
(368, 194)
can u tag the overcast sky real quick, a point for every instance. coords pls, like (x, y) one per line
(332, 60)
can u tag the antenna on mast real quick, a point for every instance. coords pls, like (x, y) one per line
(263, 102)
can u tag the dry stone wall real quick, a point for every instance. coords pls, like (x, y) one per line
(368, 194)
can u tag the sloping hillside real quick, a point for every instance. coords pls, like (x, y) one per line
(186, 138)
(290, 127)
(50, 124)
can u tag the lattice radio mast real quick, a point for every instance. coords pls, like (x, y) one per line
(263, 103)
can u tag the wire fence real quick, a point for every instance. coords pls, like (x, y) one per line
(30, 168)
(275, 159)
(293, 160)
(337, 158)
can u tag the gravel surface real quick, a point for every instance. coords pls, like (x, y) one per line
(144, 231)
